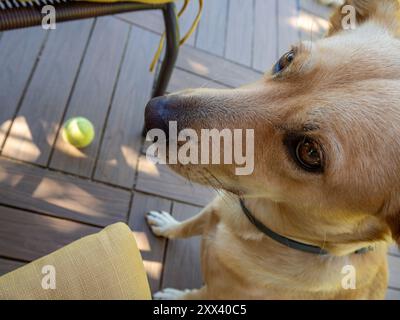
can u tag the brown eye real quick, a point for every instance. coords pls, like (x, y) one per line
(309, 154)
(284, 62)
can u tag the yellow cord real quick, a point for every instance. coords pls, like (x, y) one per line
(187, 35)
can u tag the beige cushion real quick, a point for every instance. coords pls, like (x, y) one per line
(106, 265)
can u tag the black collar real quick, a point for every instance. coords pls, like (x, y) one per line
(290, 242)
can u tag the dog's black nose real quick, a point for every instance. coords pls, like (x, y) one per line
(160, 111)
(154, 114)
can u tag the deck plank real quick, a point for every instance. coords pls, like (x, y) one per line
(152, 248)
(394, 268)
(162, 181)
(123, 135)
(212, 27)
(215, 68)
(265, 52)
(150, 19)
(18, 53)
(53, 193)
(31, 137)
(183, 255)
(186, 20)
(28, 236)
(288, 33)
(93, 92)
(239, 38)
(182, 79)
(7, 265)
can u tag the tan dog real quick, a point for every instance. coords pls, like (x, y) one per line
(327, 168)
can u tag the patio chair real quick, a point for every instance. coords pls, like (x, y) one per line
(105, 265)
(25, 13)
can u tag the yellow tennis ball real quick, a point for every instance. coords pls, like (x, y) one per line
(79, 132)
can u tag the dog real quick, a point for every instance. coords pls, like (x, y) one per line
(325, 191)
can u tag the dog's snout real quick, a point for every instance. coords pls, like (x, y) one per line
(160, 111)
(153, 114)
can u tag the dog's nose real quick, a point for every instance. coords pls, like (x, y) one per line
(153, 114)
(159, 112)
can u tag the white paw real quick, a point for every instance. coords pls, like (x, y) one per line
(161, 223)
(170, 294)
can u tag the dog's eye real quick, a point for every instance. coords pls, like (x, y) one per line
(309, 154)
(306, 152)
(284, 62)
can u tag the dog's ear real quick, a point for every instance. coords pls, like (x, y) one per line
(356, 12)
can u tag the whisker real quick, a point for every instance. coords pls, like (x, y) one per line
(226, 194)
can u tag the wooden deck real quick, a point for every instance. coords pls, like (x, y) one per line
(52, 194)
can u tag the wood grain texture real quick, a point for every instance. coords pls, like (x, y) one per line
(7, 265)
(394, 268)
(182, 79)
(28, 236)
(162, 181)
(151, 247)
(93, 93)
(120, 148)
(239, 38)
(151, 20)
(212, 27)
(288, 32)
(182, 269)
(215, 68)
(34, 188)
(265, 51)
(34, 130)
(18, 53)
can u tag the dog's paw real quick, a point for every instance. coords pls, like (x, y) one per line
(170, 294)
(162, 223)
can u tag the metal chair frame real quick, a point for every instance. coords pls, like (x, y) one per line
(27, 16)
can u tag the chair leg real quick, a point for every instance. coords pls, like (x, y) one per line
(171, 52)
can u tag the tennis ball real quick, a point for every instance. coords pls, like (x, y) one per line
(79, 132)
